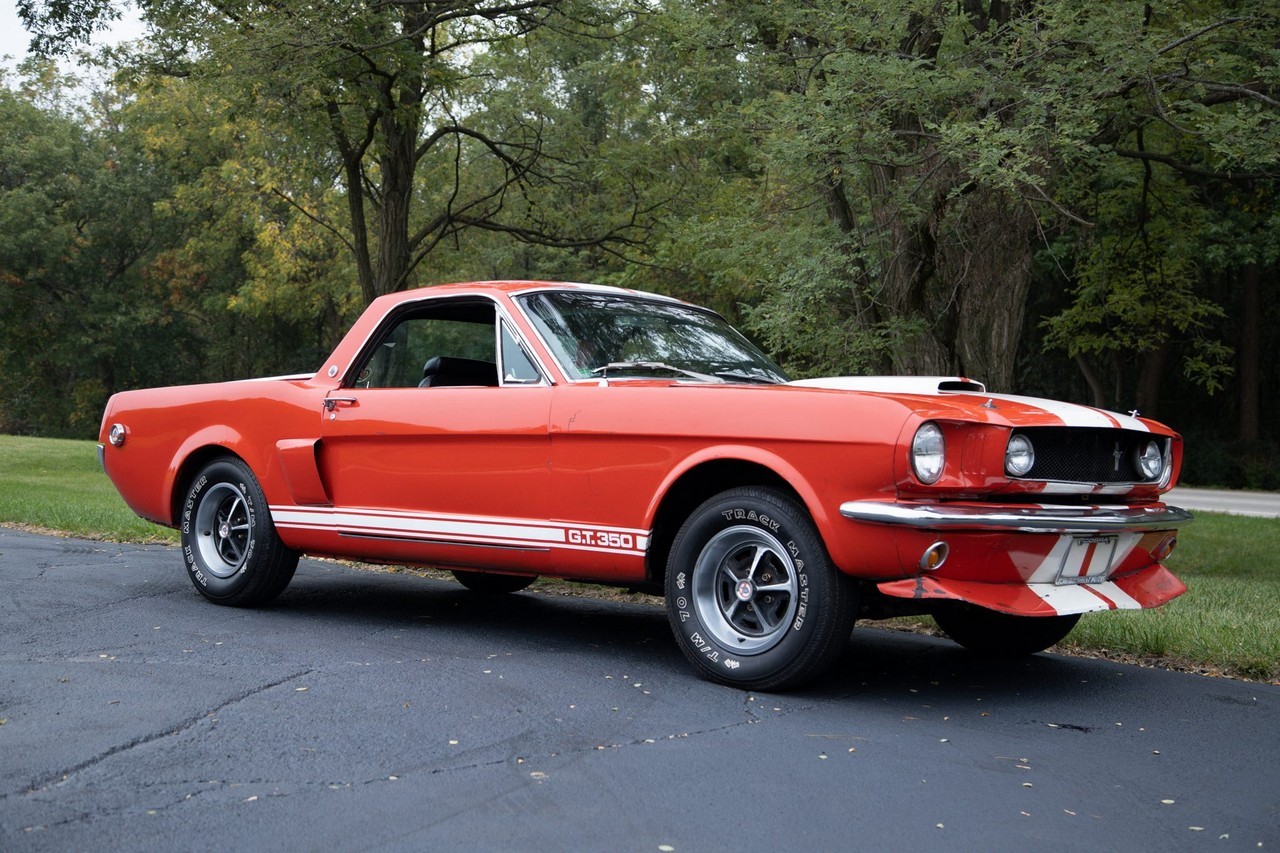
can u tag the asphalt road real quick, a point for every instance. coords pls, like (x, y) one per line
(379, 711)
(1258, 504)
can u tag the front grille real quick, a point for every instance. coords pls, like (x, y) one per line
(1085, 454)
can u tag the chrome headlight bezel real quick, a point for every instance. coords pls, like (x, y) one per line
(1019, 455)
(1150, 461)
(928, 453)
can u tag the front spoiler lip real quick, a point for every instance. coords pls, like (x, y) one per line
(1150, 587)
(1017, 518)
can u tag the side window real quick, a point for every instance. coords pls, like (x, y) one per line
(517, 367)
(441, 344)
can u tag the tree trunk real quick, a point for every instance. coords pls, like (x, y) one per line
(397, 168)
(985, 265)
(1249, 353)
(960, 273)
(1150, 373)
(1095, 383)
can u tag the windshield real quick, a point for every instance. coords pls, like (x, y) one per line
(604, 334)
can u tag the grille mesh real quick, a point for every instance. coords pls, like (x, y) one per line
(1085, 455)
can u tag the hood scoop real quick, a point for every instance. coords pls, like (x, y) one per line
(895, 384)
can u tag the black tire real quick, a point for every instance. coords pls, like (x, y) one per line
(489, 583)
(994, 634)
(229, 543)
(752, 596)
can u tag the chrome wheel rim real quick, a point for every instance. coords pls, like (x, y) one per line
(745, 589)
(223, 530)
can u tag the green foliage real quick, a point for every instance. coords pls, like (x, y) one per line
(80, 313)
(1139, 280)
(1212, 461)
(1048, 199)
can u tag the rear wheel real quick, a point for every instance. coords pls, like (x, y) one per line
(229, 543)
(995, 634)
(488, 583)
(752, 597)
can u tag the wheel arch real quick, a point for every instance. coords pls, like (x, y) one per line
(193, 457)
(703, 478)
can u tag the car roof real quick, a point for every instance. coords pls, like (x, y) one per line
(517, 287)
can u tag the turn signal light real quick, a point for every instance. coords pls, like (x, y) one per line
(1161, 552)
(934, 556)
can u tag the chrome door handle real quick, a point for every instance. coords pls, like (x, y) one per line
(331, 403)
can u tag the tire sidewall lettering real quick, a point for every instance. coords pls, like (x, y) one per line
(252, 513)
(222, 472)
(732, 664)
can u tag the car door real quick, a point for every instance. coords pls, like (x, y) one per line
(435, 449)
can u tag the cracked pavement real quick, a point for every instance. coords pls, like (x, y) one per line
(367, 710)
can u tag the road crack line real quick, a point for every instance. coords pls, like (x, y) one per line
(63, 776)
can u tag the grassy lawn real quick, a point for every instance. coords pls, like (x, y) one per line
(1228, 623)
(1229, 618)
(57, 485)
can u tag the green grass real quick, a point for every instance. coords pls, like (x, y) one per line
(1227, 623)
(1229, 618)
(57, 485)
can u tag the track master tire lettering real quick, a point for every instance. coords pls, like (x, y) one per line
(752, 597)
(229, 544)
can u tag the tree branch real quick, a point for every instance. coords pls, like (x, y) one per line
(1187, 168)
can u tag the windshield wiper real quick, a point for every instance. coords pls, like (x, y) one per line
(651, 366)
(743, 376)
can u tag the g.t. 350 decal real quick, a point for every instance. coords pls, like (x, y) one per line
(524, 533)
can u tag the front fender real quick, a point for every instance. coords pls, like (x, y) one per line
(752, 455)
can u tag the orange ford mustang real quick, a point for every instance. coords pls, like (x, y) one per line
(507, 430)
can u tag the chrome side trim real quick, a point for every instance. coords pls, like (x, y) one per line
(1020, 519)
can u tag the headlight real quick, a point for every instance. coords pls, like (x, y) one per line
(1019, 456)
(1150, 461)
(928, 452)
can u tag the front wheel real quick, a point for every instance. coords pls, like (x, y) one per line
(994, 634)
(232, 552)
(752, 597)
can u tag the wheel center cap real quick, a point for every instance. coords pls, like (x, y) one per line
(224, 530)
(745, 590)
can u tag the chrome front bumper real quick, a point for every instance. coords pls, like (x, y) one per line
(1017, 518)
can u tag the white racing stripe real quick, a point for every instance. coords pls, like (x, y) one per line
(1074, 415)
(464, 530)
(1061, 558)
(1084, 598)
(1067, 558)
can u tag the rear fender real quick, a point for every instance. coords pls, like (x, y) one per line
(194, 452)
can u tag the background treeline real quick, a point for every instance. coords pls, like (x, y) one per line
(1062, 198)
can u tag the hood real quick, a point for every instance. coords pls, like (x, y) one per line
(966, 393)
